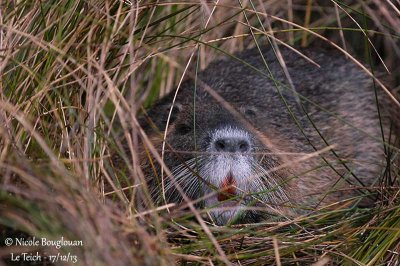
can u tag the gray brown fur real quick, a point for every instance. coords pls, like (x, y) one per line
(338, 88)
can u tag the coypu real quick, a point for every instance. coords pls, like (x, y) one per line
(267, 150)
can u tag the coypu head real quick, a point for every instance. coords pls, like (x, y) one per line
(219, 162)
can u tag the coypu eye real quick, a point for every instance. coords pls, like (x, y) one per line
(250, 112)
(183, 129)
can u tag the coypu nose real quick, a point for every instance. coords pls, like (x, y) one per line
(230, 139)
(232, 145)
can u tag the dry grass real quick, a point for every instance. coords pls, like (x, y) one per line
(75, 75)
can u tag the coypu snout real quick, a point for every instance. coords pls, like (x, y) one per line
(235, 177)
(230, 174)
(228, 165)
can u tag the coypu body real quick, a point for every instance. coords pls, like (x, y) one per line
(245, 146)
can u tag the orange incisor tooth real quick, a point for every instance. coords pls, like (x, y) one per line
(227, 188)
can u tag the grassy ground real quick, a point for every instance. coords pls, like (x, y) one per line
(71, 69)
